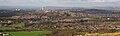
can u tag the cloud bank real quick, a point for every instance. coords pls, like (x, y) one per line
(59, 2)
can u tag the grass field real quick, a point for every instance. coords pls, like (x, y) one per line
(100, 34)
(6, 28)
(33, 33)
(104, 34)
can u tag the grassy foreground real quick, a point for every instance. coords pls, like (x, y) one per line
(101, 34)
(33, 33)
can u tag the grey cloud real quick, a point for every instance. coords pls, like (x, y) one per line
(59, 2)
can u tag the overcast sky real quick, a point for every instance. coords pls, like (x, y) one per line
(66, 3)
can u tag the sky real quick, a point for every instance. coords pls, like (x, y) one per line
(64, 3)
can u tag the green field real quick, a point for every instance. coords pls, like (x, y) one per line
(25, 33)
(6, 28)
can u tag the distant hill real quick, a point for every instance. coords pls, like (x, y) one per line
(109, 8)
(98, 10)
(20, 7)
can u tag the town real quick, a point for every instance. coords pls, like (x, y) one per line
(67, 21)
